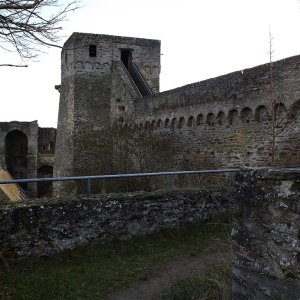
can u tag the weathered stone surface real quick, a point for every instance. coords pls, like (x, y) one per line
(216, 123)
(19, 150)
(225, 121)
(219, 122)
(96, 91)
(24, 149)
(266, 235)
(46, 228)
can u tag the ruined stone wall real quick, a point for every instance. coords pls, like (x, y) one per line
(46, 146)
(24, 164)
(28, 149)
(46, 140)
(49, 227)
(266, 235)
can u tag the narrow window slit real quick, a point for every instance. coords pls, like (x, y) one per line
(93, 50)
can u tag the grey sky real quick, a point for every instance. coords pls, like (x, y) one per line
(200, 39)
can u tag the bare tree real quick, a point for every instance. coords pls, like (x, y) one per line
(25, 25)
(281, 117)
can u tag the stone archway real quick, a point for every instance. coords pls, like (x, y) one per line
(16, 154)
(45, 188)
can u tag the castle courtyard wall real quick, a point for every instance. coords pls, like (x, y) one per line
(219, 122)
(225, 121)
(30, 150)
(50, 227)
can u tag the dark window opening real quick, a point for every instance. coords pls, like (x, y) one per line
(126, 57)
(93, 50)
(135, 74)
(16, 155)
(50, 146)
(45, 188)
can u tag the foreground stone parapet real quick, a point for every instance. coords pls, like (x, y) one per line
(266, 235)
(49, 227)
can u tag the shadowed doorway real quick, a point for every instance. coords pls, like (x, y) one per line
(45, 188)
(16, 155)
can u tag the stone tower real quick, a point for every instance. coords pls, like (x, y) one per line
(102, 77)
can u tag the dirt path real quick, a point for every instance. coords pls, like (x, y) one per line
(165, 275)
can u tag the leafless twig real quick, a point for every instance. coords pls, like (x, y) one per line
(25, 25)
(281, 117)
(10, 65)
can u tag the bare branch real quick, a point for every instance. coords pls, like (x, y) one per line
(281, 117)
(20, 4)
(27, 24)
(10, 65)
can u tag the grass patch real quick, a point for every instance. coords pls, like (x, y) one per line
(215, 285)
(95, 271)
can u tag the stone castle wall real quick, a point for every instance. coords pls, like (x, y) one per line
(47, 228)
(88, 94)
(25, 150)
(22, 163)
(266, 235)
(219, 122)
(225, 121)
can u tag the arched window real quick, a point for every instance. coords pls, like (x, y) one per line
(232, 116)
(210, 119)
(191, 121)
(159, 122)
(280, 111)
(167, 121)
(261, 114)
(246, 115)
(200, 119)
(220, 118)
(173, 123)
(181, 122)
(16, 152)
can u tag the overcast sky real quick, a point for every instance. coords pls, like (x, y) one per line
(200, 39)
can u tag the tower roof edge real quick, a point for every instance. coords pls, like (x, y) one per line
(76, 37)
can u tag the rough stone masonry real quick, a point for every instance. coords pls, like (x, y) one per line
(114, 119)
(266, 235)
(108, 82)
(40, 228)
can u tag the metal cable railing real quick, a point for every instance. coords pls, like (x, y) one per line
(88, 179)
